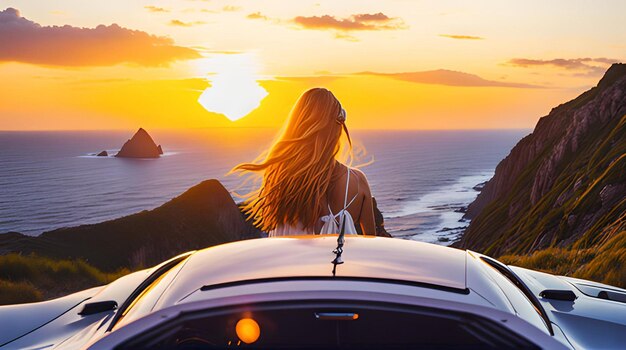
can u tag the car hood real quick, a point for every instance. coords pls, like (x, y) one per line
(18, 320)
(45, 324)
(589, 321)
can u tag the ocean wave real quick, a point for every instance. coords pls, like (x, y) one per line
(436, 217)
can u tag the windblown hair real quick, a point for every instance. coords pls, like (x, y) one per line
(297, 170)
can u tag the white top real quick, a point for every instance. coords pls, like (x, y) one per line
(332, 222)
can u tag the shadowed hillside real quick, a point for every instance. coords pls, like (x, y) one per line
(66, 260)
(203, 216)
(557, 202)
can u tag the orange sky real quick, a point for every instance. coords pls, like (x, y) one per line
(393, 64)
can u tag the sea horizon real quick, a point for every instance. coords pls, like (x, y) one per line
(52, 179)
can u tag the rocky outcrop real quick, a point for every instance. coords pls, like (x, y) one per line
(203, 216)
(103, 154)
(564, 185)
(140, 145)
(379, 221)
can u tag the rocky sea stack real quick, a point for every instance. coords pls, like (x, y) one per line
(141, 145)
(557, 202)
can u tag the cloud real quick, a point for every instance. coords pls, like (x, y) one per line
(179, 23)
(345, 36)
(22, 40)
(257, 15)
(449, 78)
(583, 66)
(230, 8)
(207, 50)
(156, 9)
(366, 17)
(196, 10)
(461, 37)
(315, 80)
(358, 22)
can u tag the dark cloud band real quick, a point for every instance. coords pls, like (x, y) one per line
(22, 40)
(583, 66)
(377, 21)
(461, 37)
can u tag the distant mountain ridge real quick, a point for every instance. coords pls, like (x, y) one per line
(563, 187)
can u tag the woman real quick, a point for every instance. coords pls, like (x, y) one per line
(305, 188)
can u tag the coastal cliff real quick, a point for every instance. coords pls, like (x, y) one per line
(561, 192)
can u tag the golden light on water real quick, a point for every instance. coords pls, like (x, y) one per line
(234, 90)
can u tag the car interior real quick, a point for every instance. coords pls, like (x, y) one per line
(327, 325)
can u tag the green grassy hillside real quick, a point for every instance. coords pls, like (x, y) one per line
(558, 202)
(33, 278)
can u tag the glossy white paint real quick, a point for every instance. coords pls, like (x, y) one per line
(588, 322)
(373, 257)
(421, 266)
(66, 322)
(18, 320)
(507, 320)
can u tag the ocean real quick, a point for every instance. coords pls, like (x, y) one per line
(421, 179)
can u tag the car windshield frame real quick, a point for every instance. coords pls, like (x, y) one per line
(517, 282)
(159, 272)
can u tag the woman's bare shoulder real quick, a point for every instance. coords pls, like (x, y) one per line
(362, 178)
(358, 172)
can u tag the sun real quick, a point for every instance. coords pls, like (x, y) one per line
(234, 90)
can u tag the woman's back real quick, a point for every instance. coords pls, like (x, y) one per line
(305, 189)
(343, 205)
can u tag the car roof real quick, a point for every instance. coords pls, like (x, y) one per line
(311, 256)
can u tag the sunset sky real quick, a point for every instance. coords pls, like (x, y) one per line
(393, 64)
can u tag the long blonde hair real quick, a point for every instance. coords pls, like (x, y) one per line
(297, 170)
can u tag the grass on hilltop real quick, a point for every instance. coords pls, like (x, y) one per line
(31, 278)
(606, 264)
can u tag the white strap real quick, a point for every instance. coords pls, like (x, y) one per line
(352, 200)
(345, 201)
(345, 198)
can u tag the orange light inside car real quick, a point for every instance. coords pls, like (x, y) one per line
(355, 316)
(248, 330)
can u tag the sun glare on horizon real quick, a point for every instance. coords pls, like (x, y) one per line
(234, 90)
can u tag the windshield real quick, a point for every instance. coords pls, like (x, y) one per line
(327, 325)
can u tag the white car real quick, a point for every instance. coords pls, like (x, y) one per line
(281, 293)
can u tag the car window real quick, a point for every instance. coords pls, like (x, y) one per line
(328, 325)
(513, 288)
